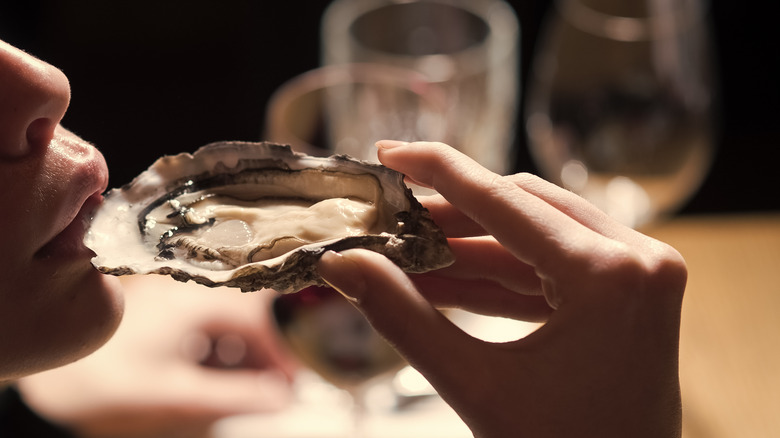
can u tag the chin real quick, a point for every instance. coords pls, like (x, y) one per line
(92, 317)
(73, 322)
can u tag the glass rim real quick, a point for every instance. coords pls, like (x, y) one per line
(499, 45)
(630, 29)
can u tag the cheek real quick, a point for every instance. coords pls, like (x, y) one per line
(21, 219)
(52, 322)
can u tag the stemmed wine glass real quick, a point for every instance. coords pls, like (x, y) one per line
(621, 101)
(345, 109)
(332, 338)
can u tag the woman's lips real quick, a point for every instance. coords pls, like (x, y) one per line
(70, 241)
(77, 175)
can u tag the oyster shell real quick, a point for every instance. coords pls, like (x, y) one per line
(258, 215)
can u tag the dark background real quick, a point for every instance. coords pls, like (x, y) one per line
(151, 77)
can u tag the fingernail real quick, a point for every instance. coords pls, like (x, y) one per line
(343, 275)
(390, 144)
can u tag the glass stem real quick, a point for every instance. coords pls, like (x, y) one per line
(358, 413)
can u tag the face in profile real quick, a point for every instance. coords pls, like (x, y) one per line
(54, 307)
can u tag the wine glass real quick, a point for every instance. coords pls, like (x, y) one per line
(621, 101)
(467, 48)
(332, 338)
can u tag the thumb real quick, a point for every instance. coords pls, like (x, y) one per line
(394, 307)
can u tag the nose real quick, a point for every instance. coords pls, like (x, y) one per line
(33, 98)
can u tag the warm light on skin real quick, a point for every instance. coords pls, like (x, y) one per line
(54, 306)
(35, 96)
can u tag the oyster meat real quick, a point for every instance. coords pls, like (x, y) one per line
(258, 215)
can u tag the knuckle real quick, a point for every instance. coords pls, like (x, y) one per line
(669, 270)
(623, 266)
(524, 178)
(657, 274)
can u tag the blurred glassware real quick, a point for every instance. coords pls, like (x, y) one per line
(620, 105)
(347, 108)
(332, 338)
(468, 47)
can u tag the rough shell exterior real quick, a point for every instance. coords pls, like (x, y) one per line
(123, 245)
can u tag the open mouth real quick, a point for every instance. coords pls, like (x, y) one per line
(70, 241)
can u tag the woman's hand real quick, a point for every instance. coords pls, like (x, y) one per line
(604, 364)
(183, 357)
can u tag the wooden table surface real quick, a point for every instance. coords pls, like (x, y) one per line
(730, 334)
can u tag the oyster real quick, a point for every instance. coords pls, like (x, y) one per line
(258, 215)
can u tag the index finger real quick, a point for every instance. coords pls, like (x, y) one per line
(530, 228)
